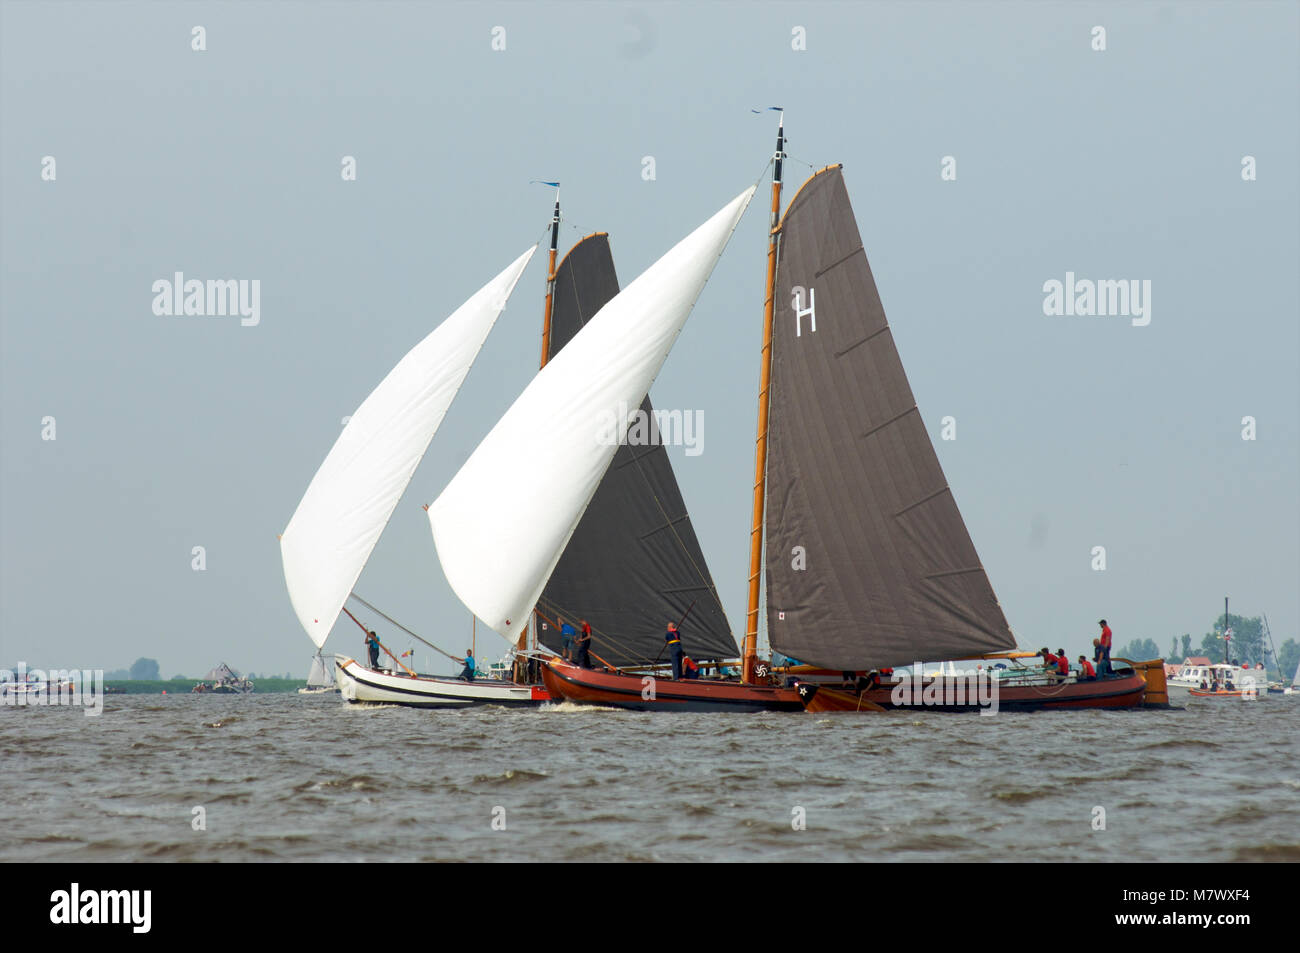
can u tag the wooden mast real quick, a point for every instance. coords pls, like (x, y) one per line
(550, 281)
(522, 644)
(750, 654)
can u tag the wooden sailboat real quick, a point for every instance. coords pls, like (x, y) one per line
(869, 564)
(352, 497)
(641, 639)
(634, 559)
(499, 539)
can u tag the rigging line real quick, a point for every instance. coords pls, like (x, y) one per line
(403, 628)
(573, 615)
(800, 161)
(704, 578)
(562, 612)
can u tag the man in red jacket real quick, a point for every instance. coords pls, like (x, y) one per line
(1105, 647)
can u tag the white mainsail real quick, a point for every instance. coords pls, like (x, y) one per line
(500, 531)
(351, 498)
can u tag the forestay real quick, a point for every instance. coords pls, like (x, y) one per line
(500, 530)
(351, 498)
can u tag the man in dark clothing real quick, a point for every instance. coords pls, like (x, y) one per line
(372, 642)
(584, 645)
(674, 641)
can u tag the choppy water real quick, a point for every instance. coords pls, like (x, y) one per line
(296, 778)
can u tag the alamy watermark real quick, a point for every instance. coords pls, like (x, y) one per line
(1127, 297)
(638, 429)
(214, 297)
(24, 687)
(946, 691)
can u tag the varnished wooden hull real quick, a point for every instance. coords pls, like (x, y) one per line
(592, 687)
(1125, 691)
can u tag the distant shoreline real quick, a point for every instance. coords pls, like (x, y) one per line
(183, 686)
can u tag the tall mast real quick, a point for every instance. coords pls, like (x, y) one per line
(1227, 634)
(760, 451)
(522, 644)
(550, 278)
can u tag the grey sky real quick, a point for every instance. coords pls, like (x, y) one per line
(1072, 432)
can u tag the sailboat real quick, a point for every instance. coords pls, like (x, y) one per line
(868, 562)
(320, 679)
(351, 498)
(634, 559)
(501, 539)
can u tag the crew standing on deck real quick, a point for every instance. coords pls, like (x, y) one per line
(1105, 645)
(584, 645)
(372, 643)
(674, 640)
(567, 632)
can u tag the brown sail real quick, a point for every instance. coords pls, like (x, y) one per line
(868, 561)
(634, 561)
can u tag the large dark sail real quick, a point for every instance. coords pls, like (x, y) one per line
(633, 564)
(869, 563)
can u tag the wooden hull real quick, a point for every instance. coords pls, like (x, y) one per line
(1126, 691)
(592, 687)
(359, 684)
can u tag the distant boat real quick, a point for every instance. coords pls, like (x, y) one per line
(32, 687)
(223, 680)
(320, 680)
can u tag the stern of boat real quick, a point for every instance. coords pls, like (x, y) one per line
(1152, 672)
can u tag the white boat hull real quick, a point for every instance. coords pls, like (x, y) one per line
(360, 684)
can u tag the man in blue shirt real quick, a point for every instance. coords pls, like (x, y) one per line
(567, 633)
(467, 672)
(372, 643)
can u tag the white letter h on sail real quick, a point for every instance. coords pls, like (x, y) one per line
(800, 310)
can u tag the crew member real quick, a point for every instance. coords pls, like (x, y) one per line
(673, 639)
(689, 668)
(372, 643)
(1062, 662)
(1087, 672)
(584, 645)
(1105, 644)
(467, 672)
(567, 633)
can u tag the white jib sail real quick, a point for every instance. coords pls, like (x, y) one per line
(353, 494)
(500, 527)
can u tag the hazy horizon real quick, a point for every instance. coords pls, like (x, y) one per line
(1072, 432)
